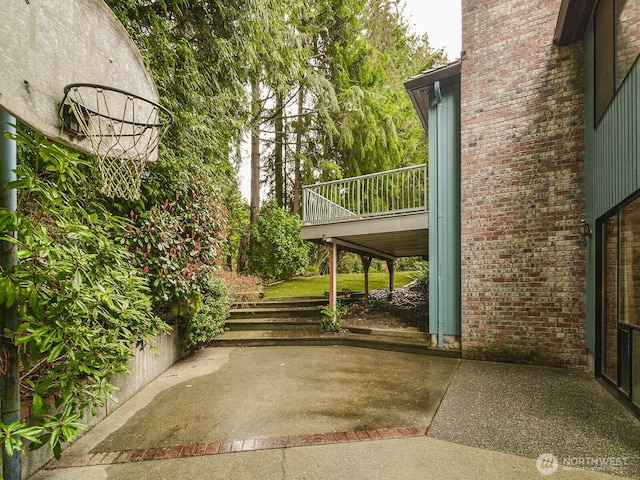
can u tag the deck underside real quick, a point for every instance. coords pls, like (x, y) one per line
(392, 236)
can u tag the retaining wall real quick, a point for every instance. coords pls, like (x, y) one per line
(145, 367)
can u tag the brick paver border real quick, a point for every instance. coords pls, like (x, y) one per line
(232, 446)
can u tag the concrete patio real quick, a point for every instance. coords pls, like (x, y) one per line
(345, 412)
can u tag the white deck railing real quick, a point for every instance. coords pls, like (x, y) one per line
(394, 192)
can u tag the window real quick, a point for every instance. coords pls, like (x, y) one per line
(619, 310)
(629, 260)
(627, 37)
(617, 45)
(604, 57)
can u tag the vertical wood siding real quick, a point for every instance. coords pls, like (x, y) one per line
(444, 213)
(612, 161)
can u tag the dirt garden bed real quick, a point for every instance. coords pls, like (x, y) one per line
(405, 309)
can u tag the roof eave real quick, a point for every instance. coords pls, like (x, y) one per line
(573, 20)
(429, 77)
(419, 86)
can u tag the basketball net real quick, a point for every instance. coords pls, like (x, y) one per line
(123, 130)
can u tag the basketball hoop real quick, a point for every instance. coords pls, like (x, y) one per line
(123, 130)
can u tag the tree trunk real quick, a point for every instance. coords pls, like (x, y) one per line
(241, 262)
(255, 153)
(297, 181)
(279, 152)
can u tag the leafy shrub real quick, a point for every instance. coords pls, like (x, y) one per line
(213, 309)
(312, 270)
(176, 244)
(81, 306)
(276, 251)
(332, 317)
(350, 263)
(405, 264)
(421, 274)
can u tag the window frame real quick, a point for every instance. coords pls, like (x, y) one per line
(627, 395)
(606, 82)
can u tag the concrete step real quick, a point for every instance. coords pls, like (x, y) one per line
(257, 338)
(262, 311)
(271, 323)
(388, 333)
(283, 302)
(296, 321)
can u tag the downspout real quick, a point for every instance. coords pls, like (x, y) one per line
(10, 395)
(438, 103)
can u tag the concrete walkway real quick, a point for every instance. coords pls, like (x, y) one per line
(344, 412)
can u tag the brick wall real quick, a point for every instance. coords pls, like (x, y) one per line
(522, 144)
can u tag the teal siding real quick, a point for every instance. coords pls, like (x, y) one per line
(444, 213)
(612, 164)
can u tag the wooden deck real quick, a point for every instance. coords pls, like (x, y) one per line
(404, 235)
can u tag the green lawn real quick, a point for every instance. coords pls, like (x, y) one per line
(317, 286)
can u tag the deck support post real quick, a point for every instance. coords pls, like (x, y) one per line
(391, 267)
(366, 263)
(333, 275)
